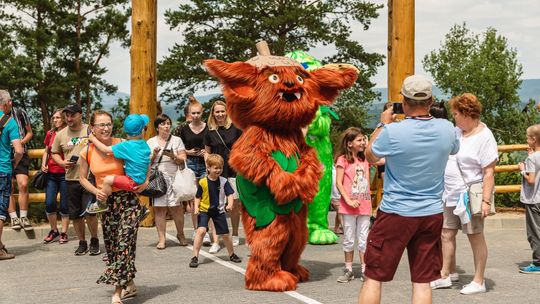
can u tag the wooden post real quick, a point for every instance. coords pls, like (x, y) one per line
(400, 45)
(143, 67)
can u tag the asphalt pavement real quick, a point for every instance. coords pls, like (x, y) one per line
(50, 273)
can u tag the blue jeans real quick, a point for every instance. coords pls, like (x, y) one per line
(56, 182)
(198, 167)
(5, 192)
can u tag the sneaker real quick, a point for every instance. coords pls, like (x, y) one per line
(16, 223)
(234, 258)
(206, 240)
(25, 224)
(454, 277)
(94, 246)
(51, 237)
(63, 238)
(235, 240)
(346, 277)
(144, 213)
(530, 269)
(82, 249)
(215, 248)
(5, 255)
(97, 207)
(441, 283)
(473, 288)
(194, 262)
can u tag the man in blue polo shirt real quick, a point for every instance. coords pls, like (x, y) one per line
(410, 216)
(9, 136)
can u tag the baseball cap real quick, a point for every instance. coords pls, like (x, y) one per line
(417, 87)
(135, 123)
(73, 108)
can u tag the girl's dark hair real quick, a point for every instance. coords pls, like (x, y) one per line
(346, 137)
(161, 118)
(438, 110)
(97, 113)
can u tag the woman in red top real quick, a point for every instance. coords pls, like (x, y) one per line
(55, 183)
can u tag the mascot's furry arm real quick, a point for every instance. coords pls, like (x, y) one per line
(271, 98)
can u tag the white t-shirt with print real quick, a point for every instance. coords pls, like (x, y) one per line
(167, 164)
(475, 153)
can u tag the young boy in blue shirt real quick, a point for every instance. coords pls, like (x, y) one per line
(214, 195)
(136, 155)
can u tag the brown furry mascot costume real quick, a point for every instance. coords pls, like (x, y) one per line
(272, 98)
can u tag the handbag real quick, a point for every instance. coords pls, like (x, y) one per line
(476, 195)
(157, 183)
(39, 181)
(184, 185)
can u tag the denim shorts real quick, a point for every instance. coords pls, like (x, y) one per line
(198, 167)
(5, 192)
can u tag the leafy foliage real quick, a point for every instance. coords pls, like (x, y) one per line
(229, 29)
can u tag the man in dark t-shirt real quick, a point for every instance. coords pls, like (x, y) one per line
(21, 171)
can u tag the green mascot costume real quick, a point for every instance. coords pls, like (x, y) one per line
(318, 137)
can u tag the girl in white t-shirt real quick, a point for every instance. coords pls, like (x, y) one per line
(352, 181)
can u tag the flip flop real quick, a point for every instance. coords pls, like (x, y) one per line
(182, 240)
(160, 246)
(129, 292)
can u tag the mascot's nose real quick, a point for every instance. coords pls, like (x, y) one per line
(289, 84)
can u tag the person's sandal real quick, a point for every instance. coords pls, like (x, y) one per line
(182, 240)
(129, 292)
(160, 246)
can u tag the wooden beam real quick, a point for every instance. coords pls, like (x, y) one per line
(400, 45)
(143, 68)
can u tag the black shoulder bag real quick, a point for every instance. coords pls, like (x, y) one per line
(157, 183)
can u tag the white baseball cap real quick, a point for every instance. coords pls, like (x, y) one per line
(417, 87)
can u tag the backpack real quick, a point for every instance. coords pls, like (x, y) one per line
(3, 122)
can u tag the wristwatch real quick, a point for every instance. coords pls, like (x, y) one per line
(380, 125)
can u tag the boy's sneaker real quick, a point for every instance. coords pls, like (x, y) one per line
(144, 213)
(454, 277)
(214, 249)
(235, 240)
(473, 288)
(206, 240)
(194, 262)
(347, 276)
(25, 224)
(63, 238)
(51, 237)
(16, 223)
(441, 283)
(97, 207)
(5, 255)
(530, 269)
(94, 246)
(82, 249)
(234, 258)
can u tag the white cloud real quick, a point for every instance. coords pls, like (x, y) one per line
(516, 20)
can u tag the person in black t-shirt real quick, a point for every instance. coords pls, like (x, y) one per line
(219, 139)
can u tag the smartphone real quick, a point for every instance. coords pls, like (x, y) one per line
(167, 150)
(74, 159)
(397, 108)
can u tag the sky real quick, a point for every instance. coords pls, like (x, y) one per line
(517, 20)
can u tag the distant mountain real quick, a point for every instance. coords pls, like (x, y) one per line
(530, 88)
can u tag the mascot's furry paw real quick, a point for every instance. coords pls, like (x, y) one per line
(279, 281)
(322, 237)
(301, 273)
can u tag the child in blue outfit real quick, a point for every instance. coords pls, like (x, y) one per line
(136, 155)
(530, 197)
(214, 195)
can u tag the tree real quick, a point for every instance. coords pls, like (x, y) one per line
(229, 29)
(486, 66)
(56, 48)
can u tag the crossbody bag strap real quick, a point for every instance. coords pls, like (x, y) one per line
(219, 135)
(164, 148)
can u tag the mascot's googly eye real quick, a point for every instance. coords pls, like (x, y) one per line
(300, 79)
(274, 78)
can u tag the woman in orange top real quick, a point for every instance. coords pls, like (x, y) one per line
(121, 221)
